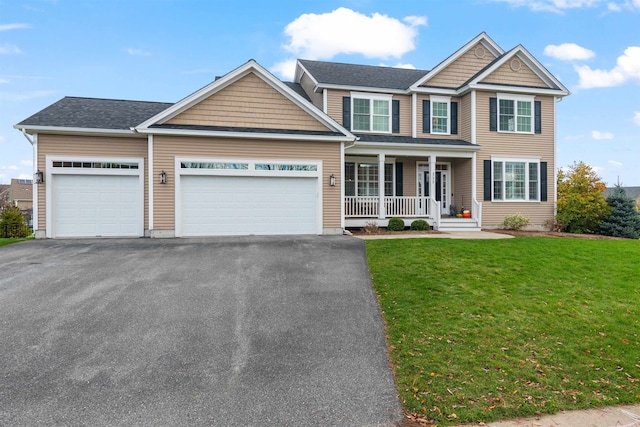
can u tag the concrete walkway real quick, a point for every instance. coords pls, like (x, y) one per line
(469, 235)
(613, 416)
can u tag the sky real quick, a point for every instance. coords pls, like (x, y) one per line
(164, 50)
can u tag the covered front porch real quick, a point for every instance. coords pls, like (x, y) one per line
(411, 183)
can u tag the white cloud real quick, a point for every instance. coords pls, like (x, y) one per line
(627, 4)
(597, 135)
(8, 49)
(614, 7)
(636, 118)
(4, 81)
(343, 31)
(556, 6)
(615, 163)
(8, 27)
(137, 52)
(568, 52)
(25, 176)
(286, 69)
(26, 162)
(627, 68)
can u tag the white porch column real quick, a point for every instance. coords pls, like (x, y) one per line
(381, 208)
(432, 176)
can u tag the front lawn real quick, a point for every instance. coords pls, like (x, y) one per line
(481, 330)
(9, 240)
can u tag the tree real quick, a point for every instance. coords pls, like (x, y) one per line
(12, 223)
(624, 220)
(581, 204)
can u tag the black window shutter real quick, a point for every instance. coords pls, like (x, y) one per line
(426, 116)
(537, 111)
(395, 116)
(454, 118)
(398, 179)
(346, 112)
(493, 114)
(487, 180)
(543, 181)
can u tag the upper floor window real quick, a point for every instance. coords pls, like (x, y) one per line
(515, 113)
(440, 107)
(371, 113)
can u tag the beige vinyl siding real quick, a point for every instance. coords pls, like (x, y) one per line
(462, 69)
(421, 134)
(308, 85)
(523, 77)
(334, 104)
(461, 176)
(537, 146)
(464, 118)
(408, 175)
(334, 109)
(167, 148)
(249, 102)
(89, 146)
(405, 114)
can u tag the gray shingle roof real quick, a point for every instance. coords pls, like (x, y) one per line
(398, 139)
(362, 75)
(94, 113)
(246, 129)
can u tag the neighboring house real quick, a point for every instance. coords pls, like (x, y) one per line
(21, 196)
(340, 146)
(633, 192)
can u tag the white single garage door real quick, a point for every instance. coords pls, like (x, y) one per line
(244, 205)
(97, 206)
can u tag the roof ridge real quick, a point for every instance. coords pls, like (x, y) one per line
(361, 65)
(117, 99)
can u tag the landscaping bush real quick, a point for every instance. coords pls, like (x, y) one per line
(420, 224)
(371, 227)
(12, 223)
(514, 222)
(395, 224)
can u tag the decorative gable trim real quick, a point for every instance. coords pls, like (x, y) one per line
(483, 38)
(249, 67)
(554, 85)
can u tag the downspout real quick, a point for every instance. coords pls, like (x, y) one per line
(34, 187)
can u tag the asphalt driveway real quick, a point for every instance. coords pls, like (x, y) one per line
(227, 332)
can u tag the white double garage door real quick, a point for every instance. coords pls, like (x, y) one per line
(211, 198)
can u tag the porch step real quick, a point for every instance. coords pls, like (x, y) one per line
(458, 224)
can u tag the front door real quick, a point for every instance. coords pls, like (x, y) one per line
(442, 187)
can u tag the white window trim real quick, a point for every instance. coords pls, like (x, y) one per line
(443, 99)
(363, 160)
(527, 161)
(371, 97)
(515, 99)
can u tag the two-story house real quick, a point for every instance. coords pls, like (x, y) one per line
(340, 146)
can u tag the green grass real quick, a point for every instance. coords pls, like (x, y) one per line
(481, 330)
(7, 241)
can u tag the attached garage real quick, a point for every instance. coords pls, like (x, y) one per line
(96, 198)
(217, 197)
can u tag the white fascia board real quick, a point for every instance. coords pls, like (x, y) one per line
(363, 89)
(487, 42)
(78, 131)
(418, 147)
(512, 89)
(413, 151)
(246, 135)
(436, 91)
(301, 71)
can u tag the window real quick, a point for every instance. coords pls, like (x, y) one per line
(515, 114)
(440, 108)
(371, 113)
(366, 182)
(516, 180)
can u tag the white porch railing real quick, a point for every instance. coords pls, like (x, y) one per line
(401, 206)
(476, 212)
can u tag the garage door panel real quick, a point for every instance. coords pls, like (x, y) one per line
(224, 205)
(96, 205)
